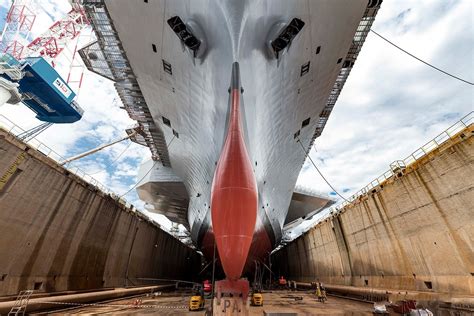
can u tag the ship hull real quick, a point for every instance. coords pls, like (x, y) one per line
(285, 98)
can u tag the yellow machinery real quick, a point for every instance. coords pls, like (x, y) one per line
(197, 300)
(196, 303)
(257, 299)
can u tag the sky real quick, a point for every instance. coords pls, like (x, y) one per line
(391, 103)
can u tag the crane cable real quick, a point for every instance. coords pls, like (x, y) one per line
(152, 166)
(317, 169)
(419, 59)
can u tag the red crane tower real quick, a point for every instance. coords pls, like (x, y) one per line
(18, 25)
(51, 43)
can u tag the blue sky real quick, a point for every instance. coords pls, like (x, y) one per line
(390, 105)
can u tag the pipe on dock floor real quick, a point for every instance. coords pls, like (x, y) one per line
(369, 294)
(38, 304)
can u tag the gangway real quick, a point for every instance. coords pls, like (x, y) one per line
(33, 132)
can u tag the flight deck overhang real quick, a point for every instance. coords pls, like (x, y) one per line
(106, 57)
(362, 31)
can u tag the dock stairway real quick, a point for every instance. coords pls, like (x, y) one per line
(19, 308)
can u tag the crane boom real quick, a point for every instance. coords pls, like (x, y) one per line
(90, 152)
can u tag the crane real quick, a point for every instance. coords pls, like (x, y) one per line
(27, 72)
(92, 151)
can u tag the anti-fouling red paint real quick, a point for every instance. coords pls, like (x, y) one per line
(234, 192)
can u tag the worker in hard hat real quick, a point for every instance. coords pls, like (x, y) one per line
(323, 293)
(318, 292)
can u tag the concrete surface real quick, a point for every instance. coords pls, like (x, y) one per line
(60, 233)
(281, 301)
(416, 232)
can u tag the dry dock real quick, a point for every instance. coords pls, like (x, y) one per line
(411, 232)
(61, 233)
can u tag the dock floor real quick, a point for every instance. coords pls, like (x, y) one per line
(176, 303)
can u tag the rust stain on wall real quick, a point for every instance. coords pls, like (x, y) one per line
(416, 230)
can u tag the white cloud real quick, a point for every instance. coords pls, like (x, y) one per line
(392, 104)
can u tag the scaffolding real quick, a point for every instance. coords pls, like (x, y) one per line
(107, 58)
(359, 38)
(18, 25)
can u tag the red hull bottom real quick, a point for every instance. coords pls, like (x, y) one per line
(234, 193)
(259, 249)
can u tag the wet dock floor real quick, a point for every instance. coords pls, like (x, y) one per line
(176, 303)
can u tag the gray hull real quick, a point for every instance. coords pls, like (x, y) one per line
(285, 98)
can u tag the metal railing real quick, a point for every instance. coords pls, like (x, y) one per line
(400, 165)
(13, 129)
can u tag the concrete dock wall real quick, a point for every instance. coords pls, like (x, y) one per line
(57, 232)
(414, 232)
